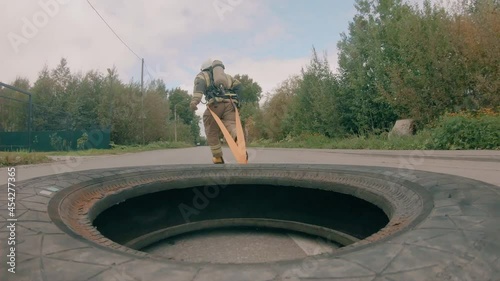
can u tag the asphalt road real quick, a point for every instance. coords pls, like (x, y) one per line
(479, 165)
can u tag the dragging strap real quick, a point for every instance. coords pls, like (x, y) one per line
(238, 148)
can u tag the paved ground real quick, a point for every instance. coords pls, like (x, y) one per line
(478, 165)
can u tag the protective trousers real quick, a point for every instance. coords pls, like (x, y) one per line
(225, 111)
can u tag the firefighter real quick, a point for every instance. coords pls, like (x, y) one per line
(221, 92)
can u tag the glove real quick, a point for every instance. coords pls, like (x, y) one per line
(193, 105)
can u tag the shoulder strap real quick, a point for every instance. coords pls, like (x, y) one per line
(230, 81)
(207, 78)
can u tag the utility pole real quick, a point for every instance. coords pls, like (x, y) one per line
(175, 122)
(30, 121)
(142, 100)
(112, 95)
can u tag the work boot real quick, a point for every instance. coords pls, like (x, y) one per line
(218, 160)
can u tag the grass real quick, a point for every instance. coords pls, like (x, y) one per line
(122, 149)
(15, 158)
(22, 158)
(377, 142)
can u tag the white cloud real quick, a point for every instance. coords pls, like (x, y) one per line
(271, 32)
(153, 28)
(268, 73)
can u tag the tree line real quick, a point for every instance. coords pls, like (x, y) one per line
(73, 101)
(66, 101)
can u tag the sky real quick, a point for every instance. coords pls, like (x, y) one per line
(269, 40)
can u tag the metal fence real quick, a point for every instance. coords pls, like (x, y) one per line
(16, 115)
(17, 132)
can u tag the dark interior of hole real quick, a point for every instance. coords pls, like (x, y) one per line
(147, 213)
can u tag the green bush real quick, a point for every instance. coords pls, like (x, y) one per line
(455, 131)
(373, 141)
(466, 131)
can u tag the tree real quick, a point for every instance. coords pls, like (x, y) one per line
(420, 67)
(363, 109)
(276, 109)
(14, 107)
(252, 92)
(84, 101)
(249, 99)
(44, 104)
(474, 31)
(314, 108)
(127, 123)
(111, 88)
(157, 112)
(179, 103)
(62, 77)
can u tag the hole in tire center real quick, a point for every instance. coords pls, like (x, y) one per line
(140, 216)
(240, 245)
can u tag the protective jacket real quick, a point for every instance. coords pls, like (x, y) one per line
(203, 86)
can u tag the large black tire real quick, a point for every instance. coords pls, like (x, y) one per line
(441, 227)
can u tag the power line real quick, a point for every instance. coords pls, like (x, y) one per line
(88, 1)
(147, 69)
(142, 66)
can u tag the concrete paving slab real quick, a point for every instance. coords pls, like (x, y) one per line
(209, 274)
(55, 269)
(60, 242)
(144, 270)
